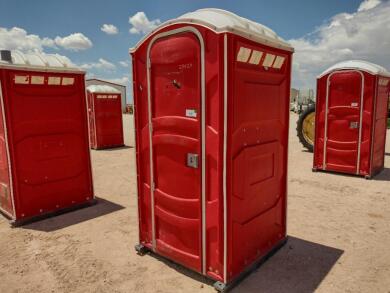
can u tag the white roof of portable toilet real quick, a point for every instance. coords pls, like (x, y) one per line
(102, 89)
(222, 21)
(39, 61)
(358, 65)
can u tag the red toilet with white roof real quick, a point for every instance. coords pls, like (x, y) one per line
(45, 164)
(351, 118)
(211, 96)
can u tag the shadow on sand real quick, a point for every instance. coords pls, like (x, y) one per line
(298, 267)
(125, 147)
(57, 222)
(384, 175)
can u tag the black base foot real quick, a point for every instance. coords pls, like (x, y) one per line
(314, 170)
(368, 177)
(220, 287)
(141, 249)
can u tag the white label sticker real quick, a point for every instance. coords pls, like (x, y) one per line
(191, 113)
(67, 81)
(22, 79)
(255, 57)
(37, 79)
(268, 60)
(278, 62)
(243, 54)
(383, 82)
(54, 80)
(354, 104)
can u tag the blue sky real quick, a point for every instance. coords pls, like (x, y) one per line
(307, 24)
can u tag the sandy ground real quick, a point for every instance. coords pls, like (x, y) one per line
(339, 229)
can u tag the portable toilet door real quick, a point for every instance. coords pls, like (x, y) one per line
(45, 164)
(211, 96)
(351, 118)
(105, 117)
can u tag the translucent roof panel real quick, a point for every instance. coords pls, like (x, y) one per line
(358, 65)
(220, 21)
(102, 89)
(40, 60)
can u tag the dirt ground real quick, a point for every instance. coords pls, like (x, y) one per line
(339, 228)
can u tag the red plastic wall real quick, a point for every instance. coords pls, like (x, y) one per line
(5, 185)
(105, 120)
(258, 122)
(91, 120)
(258, 98)
(48, 142)
(380, 124)
(342, 145)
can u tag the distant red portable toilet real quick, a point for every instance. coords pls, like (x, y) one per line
(211, 95)
(351, 118)
(45, 162)
(105, 117)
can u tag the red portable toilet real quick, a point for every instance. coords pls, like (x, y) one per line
(105, 117)
(45, 162)
(211, 95)
(351, 118)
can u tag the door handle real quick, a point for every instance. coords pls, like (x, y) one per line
(192, 160)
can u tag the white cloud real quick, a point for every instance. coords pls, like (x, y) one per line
(141, 24)
(74, 42)
(102, 64)
(124, 80)
(18, 39)
(121, 80)
(368, 4)
(360, 35)
(124, 63)
(109, 29)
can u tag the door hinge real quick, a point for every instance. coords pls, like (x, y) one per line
(151, 128)
(148, 63)
(153, 186)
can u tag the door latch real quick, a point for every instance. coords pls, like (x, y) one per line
(192, 160)
(354, 125)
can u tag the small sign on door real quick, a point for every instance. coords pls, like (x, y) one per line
(192, 160)
(354, 104)
(191, 113)
(354, 125)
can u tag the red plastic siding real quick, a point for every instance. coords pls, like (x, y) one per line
(5, 184)
(91, 120)
(344, 109)
(106, 128)
(258, 122)
(380, 125)
(48, 143)
(258, 101)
